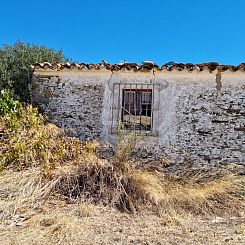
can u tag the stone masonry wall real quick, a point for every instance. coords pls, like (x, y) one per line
(198, 117)
(208, 123)
(71, 102)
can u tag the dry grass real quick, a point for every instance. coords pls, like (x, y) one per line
(224, 194)
(57, 222)
(42, 165)
(53, 164)
(131, 191)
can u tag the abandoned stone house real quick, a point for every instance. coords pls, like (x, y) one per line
(189, 112)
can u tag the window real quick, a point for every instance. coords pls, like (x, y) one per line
(137, 109)
(136, 106)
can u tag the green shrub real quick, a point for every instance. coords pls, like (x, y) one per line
(26, 141)
(7, 103)
(15, 66)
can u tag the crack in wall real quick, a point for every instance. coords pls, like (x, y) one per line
(218, 83)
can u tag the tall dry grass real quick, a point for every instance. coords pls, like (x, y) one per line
(39, 162)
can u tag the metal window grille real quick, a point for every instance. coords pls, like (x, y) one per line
(133, 106)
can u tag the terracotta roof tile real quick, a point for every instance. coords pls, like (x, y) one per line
(145, 66)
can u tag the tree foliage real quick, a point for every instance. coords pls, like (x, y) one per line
(15, 66)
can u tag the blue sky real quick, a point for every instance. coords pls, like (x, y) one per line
(130, 30)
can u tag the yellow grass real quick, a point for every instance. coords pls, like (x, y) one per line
(43, 167)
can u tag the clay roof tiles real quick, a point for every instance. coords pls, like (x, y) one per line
(145, 66)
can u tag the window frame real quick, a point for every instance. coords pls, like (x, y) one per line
(133, 116)
(116, 106)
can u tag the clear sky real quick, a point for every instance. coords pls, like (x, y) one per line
(130, 30)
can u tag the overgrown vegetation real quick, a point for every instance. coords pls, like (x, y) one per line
(49, 163)
(7, 104)
(39, 164)
(15, 66)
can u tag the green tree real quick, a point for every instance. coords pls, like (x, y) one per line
(15, 66)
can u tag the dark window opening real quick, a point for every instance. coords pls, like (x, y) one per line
(137, 109)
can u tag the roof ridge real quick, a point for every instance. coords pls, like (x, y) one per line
(144, 66)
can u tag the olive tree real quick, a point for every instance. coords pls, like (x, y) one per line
(15, 66)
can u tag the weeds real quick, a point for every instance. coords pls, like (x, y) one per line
(125, 145)
(7, 104)
(55, 165)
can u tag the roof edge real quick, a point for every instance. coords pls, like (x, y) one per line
(145, 66)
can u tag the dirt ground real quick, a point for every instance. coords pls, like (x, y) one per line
(57, 222)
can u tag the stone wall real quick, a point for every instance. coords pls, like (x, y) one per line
(71, 101)
(197, 116)
(208, 122)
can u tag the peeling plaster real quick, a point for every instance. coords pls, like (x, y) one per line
(198, 116)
